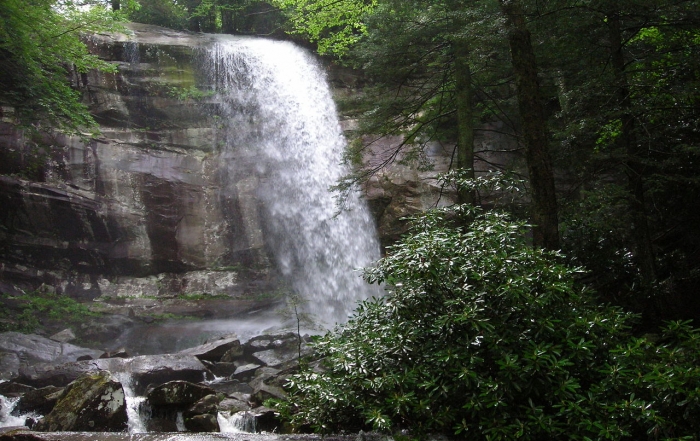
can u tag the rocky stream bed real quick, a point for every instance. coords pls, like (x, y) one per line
(220, 386)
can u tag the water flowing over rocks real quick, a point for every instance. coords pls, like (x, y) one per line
(179, 209)
(170, 392)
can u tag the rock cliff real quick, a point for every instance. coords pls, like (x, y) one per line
(145, 213)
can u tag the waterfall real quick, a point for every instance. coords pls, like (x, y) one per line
(239, 422)
(281, 136)
(137, 410)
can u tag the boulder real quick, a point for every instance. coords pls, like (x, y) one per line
(202, 423)
(233, 405)
(178, 393)
(232, 387)
(64, 336)
(208, 404)
(93, 403)
(232, 354)
(214, 351)
(266, 420)
(106, 328)
(41, 401)
(37, 349)
(266, 392)
(158, 424)
(224, 370)
(143, 370)
(265, 342)
(245, 372)
(263, 375)
(9, 365)
(10, 389)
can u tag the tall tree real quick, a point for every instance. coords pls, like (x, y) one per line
(627, 74)
(534, 127)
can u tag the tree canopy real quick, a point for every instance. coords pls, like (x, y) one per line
(40, 45)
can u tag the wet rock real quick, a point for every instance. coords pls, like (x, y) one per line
(202, 423)
(266, 392)
(37, 349)
(11, 389)
(178, 393)
(50, 374)
(9, 365)
(232, 387)
(232, 354)
(266, 420)
(279, 357)
(265, 342)
(144, 370)
(20, 435)
(214, 351)
(233, 405)
(159, 369)
(223, 369)
(41, 401)
(93, 403)
(64, 336)
(208, 404)
(106, 328)
(119, 353)
(156, 424)
(245, 372)
(262, 376)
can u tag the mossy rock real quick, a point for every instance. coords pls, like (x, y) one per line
(92, 403)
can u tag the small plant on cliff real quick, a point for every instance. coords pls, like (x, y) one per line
(485, 337)
(33, 310)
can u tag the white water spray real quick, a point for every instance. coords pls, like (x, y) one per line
(282, 132)
(239, 422)
(137, 410)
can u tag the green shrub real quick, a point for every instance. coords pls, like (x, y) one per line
(30, 311)
(485, 337)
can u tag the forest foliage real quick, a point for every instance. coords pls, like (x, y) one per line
(40, 51)
(576, 324)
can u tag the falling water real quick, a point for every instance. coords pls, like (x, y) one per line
(239, 422)
(281, 133)
(137, 410)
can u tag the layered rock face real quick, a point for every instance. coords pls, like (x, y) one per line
(144, 209)
(148, 210)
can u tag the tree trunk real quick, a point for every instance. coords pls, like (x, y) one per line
(633, 165)
(465, 119)
(534, 128)
(227, 21)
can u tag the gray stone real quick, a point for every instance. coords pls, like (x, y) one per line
(208, 404)
(64, 336)
(36, 349)
(178, 393)
(11, 389)
(265, 392)
(143, 370)
(245, 372)
(41, 401)
(9, 365)
(202, 423)
(93, 403)
(232, 387)
(233, 405)
(215, 350)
